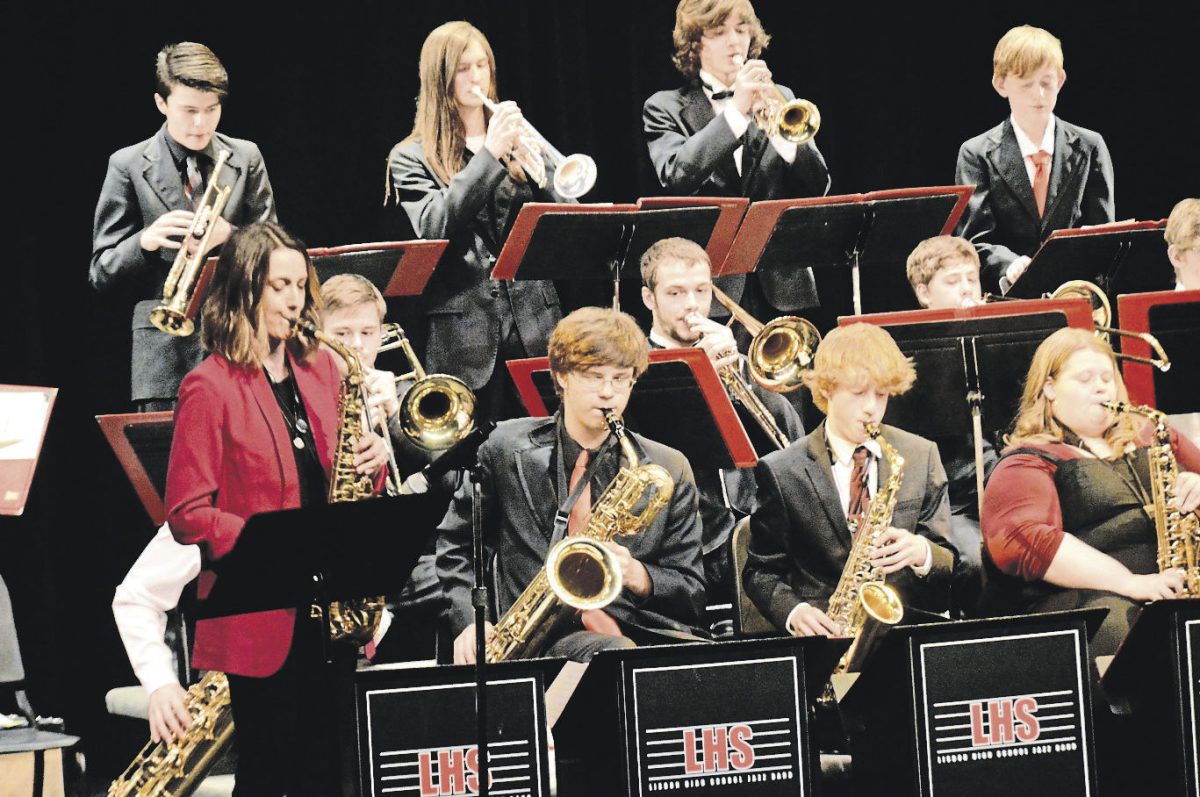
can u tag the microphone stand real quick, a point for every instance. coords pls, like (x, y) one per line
(479, 601)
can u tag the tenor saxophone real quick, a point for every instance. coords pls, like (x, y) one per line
(863, 603)
(1177, 533)
(175, 768)
(354, 620)
(580, 573)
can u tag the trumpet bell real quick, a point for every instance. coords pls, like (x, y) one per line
(575, 176)
(797, 121)
(171, 321)
(781, 352)
(437, 412)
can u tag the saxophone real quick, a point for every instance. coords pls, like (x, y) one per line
(580, 573)
(1177, 532)
(356, 620)
(863, 603)
(176, 768)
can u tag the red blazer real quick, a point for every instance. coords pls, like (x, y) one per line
(231, 458)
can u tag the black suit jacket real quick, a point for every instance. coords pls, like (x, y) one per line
(462, 304)
(692, 153)
(519, 504)
(799, 540)
(142, 183)
(1002, 219)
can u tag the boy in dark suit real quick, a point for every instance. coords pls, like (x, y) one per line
(812, 493)
(533, 469)
(147, 204)
(1033, 173)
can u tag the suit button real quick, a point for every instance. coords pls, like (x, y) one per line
(495, 289)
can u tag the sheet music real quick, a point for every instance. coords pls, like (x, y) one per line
(22, 419)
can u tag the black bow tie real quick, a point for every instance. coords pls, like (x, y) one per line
(718, 95)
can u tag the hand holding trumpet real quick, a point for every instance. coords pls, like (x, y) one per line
(715, 339)
(751, 85)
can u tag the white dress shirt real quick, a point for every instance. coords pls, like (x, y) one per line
(1028, 148)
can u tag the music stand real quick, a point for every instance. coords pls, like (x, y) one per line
(1173, 317)
(679, 402)
(970, 364)
(852, 233)
(606, 242)
(142, 443)
(1126, 257)
(24, 416)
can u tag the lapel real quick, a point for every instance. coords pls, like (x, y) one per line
(534, 476)
(272, 418)
(820, 476)
(1005, 157)
(158, 169)
(696, 113)
(1067, 157)
(754, 145)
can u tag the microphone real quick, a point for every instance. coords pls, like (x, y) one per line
(460, 455)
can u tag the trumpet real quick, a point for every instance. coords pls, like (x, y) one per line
(439, 409)
(574, 175)
(171, 316)
(795, 120)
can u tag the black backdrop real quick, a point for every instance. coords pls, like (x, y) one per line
(327, 91)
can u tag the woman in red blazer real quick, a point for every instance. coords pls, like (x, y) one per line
(255, 426)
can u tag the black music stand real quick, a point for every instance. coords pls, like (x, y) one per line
(946, 708)
(142, 444)
(606, 242)
(678, 402)
(1126, 257)
(846, 238)
(1174, 318)
(1155, 679)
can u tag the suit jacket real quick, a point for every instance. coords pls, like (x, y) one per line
(692, 153)
(142, 184)
(519, 505)
(799, 540)
(1002, 219)
(232, 458)
(463, 305)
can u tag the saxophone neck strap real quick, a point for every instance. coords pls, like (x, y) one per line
(562, 468)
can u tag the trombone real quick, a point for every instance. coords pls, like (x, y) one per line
(171, 316)
(795, 120)
(574, 175)
(439, 409)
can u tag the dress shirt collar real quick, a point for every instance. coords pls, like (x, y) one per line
(711, 85)
(662, 341)
(841, 450)
(1026, 143)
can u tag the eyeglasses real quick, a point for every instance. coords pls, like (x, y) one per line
(594, 381)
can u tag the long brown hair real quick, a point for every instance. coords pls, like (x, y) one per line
(231, 320)
(1035, 421)
(438, 125)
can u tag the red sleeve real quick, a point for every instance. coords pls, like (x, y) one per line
(1022, 520)
(1187, 455)
(194, 470)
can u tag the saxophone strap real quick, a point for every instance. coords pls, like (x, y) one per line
(563, 515)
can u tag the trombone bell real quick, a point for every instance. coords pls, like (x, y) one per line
(781, 352)
(437, 412)
(1102, 319)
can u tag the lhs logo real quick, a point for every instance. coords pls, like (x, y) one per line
(449, 771)
(1007, 720)
(724, 748)
(1006, 727)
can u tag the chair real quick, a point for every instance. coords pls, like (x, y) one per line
(747, 616)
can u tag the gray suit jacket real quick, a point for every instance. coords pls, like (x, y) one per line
(519, 504)
(142, 184)
(799, 540)
(692, 152)
(463, 305)
(1002, 219)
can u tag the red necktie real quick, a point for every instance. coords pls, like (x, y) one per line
(195, 180)
(860, 491)
(595, 620)
(1041, 179)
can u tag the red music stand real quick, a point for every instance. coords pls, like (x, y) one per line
(142, 443)
(679, 402)
(606, 242)
(874, 231)
(1174, 318)
(24, 416)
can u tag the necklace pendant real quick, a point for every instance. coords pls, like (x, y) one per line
(298, 442)
(301, 425)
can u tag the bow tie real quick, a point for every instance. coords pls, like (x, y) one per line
(718, 95)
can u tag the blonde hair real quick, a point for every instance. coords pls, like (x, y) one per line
(1183, 225)
(934, 254)
(592, 336)
(344, 291)
(858, 354)
(694, 17)
(1035, 421)
(1024, 50)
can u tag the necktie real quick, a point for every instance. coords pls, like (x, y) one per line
(595, 620)
(192, 187)
(860, 492)
(1041, 179)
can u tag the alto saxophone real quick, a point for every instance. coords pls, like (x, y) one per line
(175, 768)
(1178, 533)
(863, 603)
(580, 573)
(356, 620)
